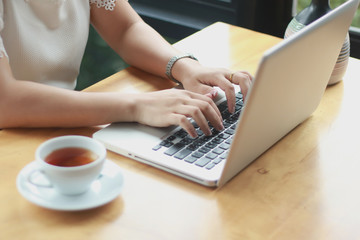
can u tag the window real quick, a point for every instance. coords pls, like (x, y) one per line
(301, 4)
(180, 18)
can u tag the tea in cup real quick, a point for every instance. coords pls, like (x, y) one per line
(69, 163)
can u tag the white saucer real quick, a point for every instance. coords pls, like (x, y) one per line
(102, 191)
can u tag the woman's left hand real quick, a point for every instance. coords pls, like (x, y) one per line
(203, 79)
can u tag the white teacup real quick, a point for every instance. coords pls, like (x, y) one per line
(88, 156)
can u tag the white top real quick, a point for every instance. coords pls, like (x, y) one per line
(45, 39)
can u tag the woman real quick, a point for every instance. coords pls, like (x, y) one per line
(42, 43)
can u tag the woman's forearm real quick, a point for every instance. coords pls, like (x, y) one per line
(144, 48)
(28, 104)
(135, 41)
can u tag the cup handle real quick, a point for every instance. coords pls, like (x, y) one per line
(38, 178)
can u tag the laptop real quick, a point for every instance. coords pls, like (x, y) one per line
(287, 88)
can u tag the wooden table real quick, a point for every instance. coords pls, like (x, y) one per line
(304, 187)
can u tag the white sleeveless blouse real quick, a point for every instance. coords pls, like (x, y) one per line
(45, 40)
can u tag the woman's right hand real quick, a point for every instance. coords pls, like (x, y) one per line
(175, 107)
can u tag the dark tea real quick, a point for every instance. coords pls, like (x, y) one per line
(71, 157)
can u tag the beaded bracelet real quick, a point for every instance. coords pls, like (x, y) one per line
(171, 63)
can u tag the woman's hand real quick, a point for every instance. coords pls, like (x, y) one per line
(200, 79)
(222, 78)
(175, 107)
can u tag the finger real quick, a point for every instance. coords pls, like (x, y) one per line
(212, 94)
(243, 79)
(229, 90)
(221, 80)
(205, 102)
(202, 109)
(189, 111)
(211, 113)
(247, 73)
(184, 122)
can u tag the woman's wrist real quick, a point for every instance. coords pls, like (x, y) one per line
(117, 107)
(179, 67)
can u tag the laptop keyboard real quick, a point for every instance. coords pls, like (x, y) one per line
(204, 151)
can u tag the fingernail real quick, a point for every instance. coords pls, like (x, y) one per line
(193, 134)
(208, 132)
(214, 93)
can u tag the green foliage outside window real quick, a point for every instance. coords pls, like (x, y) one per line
(333, 3)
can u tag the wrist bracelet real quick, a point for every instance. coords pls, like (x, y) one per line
(171, 63)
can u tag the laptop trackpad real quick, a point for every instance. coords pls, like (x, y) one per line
(131, 135)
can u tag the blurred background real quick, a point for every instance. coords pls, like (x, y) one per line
(176, 19)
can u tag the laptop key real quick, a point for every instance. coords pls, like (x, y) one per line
(217, 140)
(197, 154)
(222, 106)
(202, 162)
(157, 147)
(211, 145)
(199, 132)
(181, 133)
(195, 125)
(210, 166)
(225, 146)
(230, 131)
(218, 151)
(183, 153)
(225, 114)
(186, 140)
(166, 143)
(211, 155)
(229, 140)
(204, 150)
(223, 135)
(217, 160)
(224, 155)
(174, 149)
(190, 159)
(192, 147)
(170, 138)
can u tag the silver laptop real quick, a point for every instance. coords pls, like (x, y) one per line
(287, 88)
